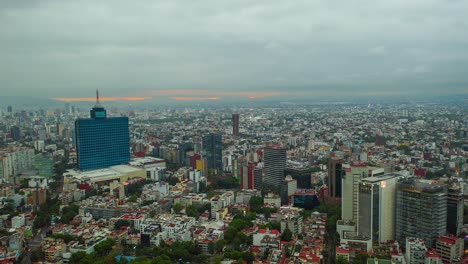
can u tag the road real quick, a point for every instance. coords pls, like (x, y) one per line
(33, 244)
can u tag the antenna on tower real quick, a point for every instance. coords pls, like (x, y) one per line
(98, 104)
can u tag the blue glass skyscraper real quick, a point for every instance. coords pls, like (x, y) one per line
(101, 141)
(212, 145)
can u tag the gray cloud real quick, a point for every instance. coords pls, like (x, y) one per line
(70, 48)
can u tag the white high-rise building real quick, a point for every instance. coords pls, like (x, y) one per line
(15, 161)
(376, 207)
(350, 188)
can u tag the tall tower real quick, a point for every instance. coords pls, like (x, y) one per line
(247, 176)
(235, 124)
(212, 145)
(350, 188)
(376, 207)
(275, 164)
(454, 211)
(101, 141)
(421, 211)
(335, 174)
(15, 133)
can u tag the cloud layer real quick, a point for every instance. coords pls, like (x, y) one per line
(217, 48)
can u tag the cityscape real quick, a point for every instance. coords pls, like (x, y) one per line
(289, 183)
(233, 132)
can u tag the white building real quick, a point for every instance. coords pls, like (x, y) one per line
(14, 161)
(415, 251)
(350, 188)
(18, 221)
(376, 207)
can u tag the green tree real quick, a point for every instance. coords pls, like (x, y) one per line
(192, 211)
(287, 235)
(133, 198)
(256, 203)
(80, 257)
(162, 259)
(69, 212)
(360, 258)
(341, 260)
(37, 255)
(177, 208)
(104, 247)
(211, 247)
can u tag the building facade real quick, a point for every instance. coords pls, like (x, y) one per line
(275, 164)
(235, 124)
(376, 207)
(454, 211)
(350, 188)
(212, 145)
(450, 248)
(101, 141)
(335, 174)
(421, 210)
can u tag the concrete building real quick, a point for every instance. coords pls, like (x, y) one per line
(415, 251)
(258, 179)
(454, 211)
(303, 176)
(235, 124)
(18, 221)
(350, 188)
(272, 199)
(432, 258)
(290, 218)
(101, 176)
(335, 174)
(275, 164)
(376, 207)
(14, 161)
(450, 248)
(247, 176)
(421, 210)
(288, 189)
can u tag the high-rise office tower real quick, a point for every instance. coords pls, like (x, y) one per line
(101, 141)
(182, 152)
(421, 211)
(247, 176)
(302, 175)
(235, 124)
(454, 211)
(212, 145)
(275, 164)
(258, 179)
(15, 133)
(335, 173)
(288, 188)
(9, 109)
(350, 188)
(376, 207)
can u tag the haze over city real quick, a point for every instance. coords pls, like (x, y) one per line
(215, 50)
(234, 132)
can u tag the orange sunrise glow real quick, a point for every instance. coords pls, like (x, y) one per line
(102, 99)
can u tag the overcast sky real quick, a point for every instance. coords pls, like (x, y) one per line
(215, 48)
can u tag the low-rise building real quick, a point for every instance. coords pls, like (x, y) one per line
(450, 248)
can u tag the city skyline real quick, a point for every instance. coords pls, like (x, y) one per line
(215, 51)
